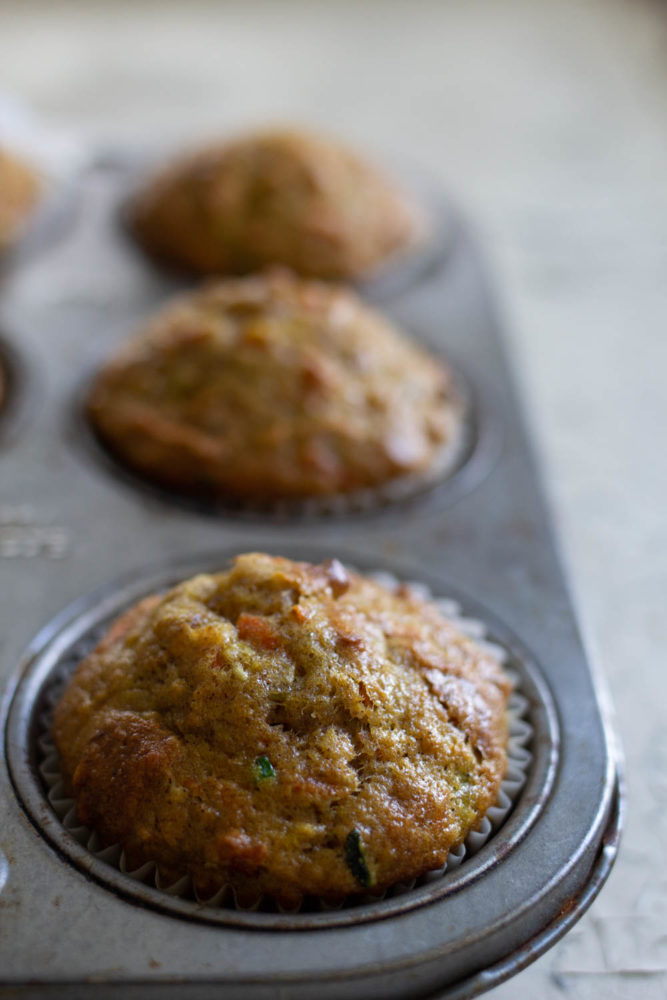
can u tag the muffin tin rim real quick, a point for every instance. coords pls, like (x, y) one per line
(104, 603)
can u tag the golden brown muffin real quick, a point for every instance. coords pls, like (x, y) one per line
(277, 197)
(273, 387)
(19, 191)
(287, 729)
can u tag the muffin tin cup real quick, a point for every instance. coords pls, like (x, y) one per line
(457, 468)
(436, 230)
(64, 807)
(225, 906)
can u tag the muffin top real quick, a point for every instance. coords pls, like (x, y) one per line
(274, 387)
(286, 729)
(277, 197)
(19, 190)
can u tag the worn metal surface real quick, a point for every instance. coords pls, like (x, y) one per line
(70, 526)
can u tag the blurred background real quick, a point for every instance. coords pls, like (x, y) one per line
(547, 121)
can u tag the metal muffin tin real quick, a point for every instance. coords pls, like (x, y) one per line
(73, 930)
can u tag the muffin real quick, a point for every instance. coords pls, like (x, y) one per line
(286, 729)
(19, 191)
(271, 388)
(278, 197)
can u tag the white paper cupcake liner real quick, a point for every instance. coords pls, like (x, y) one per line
(519, 759)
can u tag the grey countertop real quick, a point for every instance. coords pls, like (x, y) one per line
(548, 121)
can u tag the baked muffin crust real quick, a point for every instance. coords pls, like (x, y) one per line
(282, 196)
(273, 387)
(19, 190)
(287, 729)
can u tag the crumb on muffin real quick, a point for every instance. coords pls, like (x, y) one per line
(271, 388)
(287, 729)
(282, 196)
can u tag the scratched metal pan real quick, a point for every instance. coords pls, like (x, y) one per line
(73, 927)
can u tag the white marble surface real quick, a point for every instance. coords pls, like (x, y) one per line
(548, 119)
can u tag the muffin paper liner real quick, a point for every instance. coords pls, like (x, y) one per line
(519, 759)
